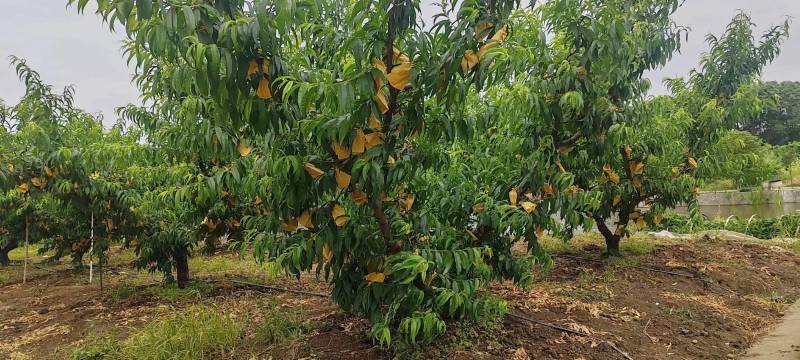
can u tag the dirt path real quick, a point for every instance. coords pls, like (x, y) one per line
(782, 343)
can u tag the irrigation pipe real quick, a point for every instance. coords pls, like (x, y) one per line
(276, 288)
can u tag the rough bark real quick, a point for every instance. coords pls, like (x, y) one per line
(181, 258)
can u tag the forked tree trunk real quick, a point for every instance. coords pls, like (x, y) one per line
(182, 267)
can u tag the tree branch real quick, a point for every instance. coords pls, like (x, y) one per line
(570, 141)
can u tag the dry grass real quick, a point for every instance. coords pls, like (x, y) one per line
(753, 324)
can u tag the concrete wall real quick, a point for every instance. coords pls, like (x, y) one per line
(734, 197)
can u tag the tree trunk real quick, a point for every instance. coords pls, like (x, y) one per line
(383, 224)
(4, 250)
(612, 239)
(377, 203)
(182, 267)
(612, 246)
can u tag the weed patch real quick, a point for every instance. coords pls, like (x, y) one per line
(462, 336)
(194, 333)
(637, 246)
(18, 254)
(278, 326)
(591, 286)
(201, 332)
(6, 273)
(96, 348)
(167, 292)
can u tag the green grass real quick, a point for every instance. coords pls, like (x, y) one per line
(637, 245)
(121, 257)
(633, 249)
(795, 246)
(225, 264)
(96, 348)
(192, 334)
(278, 325)
(589, 278)
(461, 336)
(195, 290)
(6, 274)
(200, 332)
(246, 268)
(719, 185)
(591, 286)
(18, 254)
(556, 246)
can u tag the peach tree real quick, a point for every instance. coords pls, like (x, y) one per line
(310, 112)
(88, 174)
(31, 130)
(723, 91)
(577, 68)
(651, 156)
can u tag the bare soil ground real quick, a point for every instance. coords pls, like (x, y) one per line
(704, 298)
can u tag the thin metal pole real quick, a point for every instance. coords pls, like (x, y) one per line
(91, 249)
(25, 267)
(102, 260)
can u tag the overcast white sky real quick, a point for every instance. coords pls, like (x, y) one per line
(68, 48)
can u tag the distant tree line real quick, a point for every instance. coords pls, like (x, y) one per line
(779, 123)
